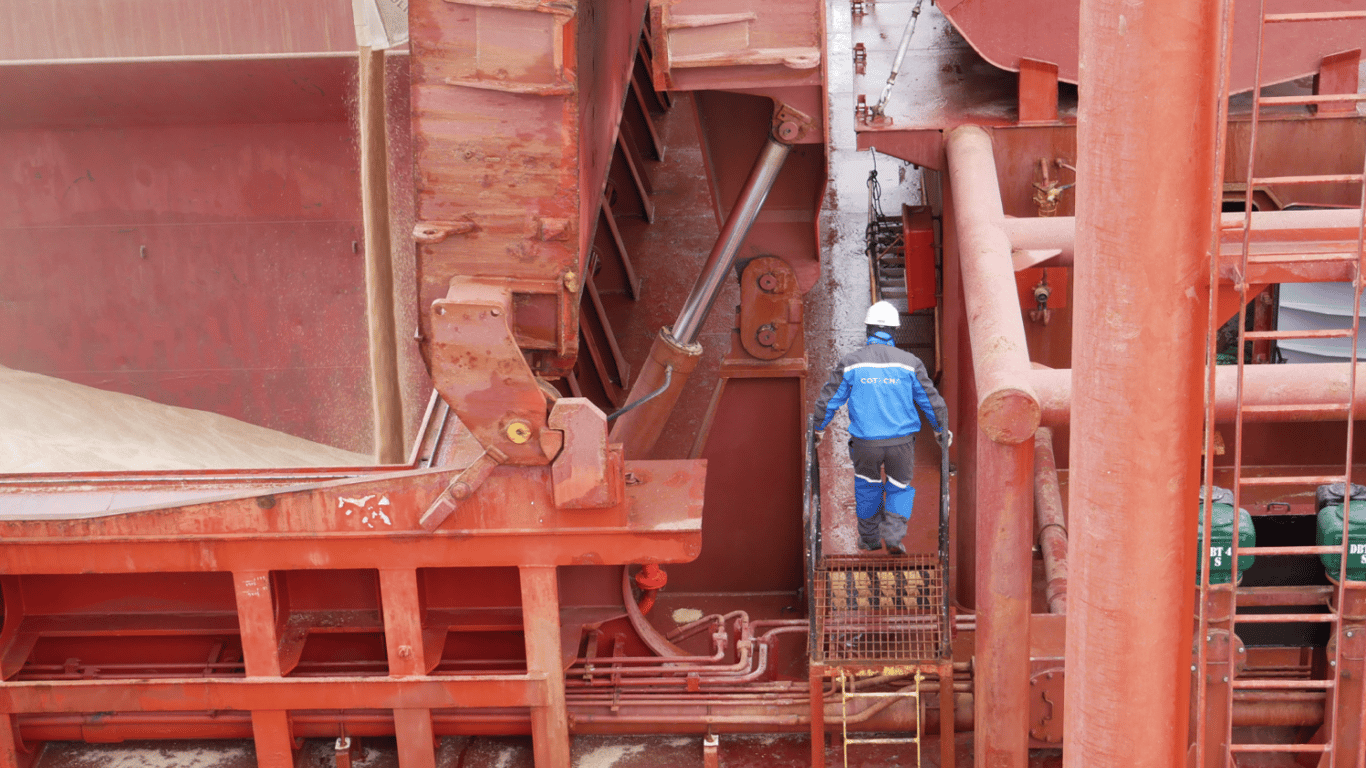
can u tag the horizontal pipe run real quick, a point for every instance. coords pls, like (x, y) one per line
(1051, 241)
(1250, 708)
(1319, 392)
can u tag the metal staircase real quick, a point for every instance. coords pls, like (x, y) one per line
(885, 247)
(879, 616)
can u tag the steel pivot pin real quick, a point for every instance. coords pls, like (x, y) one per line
(519, 432)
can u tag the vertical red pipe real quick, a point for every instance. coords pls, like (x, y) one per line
(1050, 521)
(1005, 523)
(1147, 185)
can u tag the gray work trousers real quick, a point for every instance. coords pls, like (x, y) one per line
(883, 509)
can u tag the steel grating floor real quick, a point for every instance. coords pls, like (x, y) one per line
(879, 609)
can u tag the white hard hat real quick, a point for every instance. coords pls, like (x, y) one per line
(884, 314)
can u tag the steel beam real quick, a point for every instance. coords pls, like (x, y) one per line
(1147, 130)
(541, 617)
(510, 519)
(200, 694)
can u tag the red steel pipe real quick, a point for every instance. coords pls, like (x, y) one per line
(1005, 522)
(1007, 407)
(1146, 134)
(1048, 516)
(1007, 416)
(1051, 241)
(1250, 708)
(1319, 393)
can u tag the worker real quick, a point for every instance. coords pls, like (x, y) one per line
(883, 386)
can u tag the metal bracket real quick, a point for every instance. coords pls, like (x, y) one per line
(347, 750)
(790, 125)
(461, 488)
(435, 231)
(1041, 313)
(1045, 709)
(588, 473)
(711, 757)
(770, 308)
(482, 372)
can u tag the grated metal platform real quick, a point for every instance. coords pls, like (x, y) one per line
(878, 609)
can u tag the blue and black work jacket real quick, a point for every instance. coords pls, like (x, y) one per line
(883, 386)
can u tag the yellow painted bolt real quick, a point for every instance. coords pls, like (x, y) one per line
(519, 432)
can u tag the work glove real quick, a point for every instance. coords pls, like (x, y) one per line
(944, 437)
(820, 433)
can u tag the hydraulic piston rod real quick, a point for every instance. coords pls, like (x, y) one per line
(675, 351)
(699, 302)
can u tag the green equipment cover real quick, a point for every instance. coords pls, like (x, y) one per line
(1221, 542)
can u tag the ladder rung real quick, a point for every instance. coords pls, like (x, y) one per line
(1279, 747)
(1283, 18)
(1305, 550)
(1313, 99)
(1304, 333)
(1303, 409)
(1286, 618)
(1283, 596)
(882, 740)
(1299, 258)
(1314, 480)
(1282, 684)
(1328, 178)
